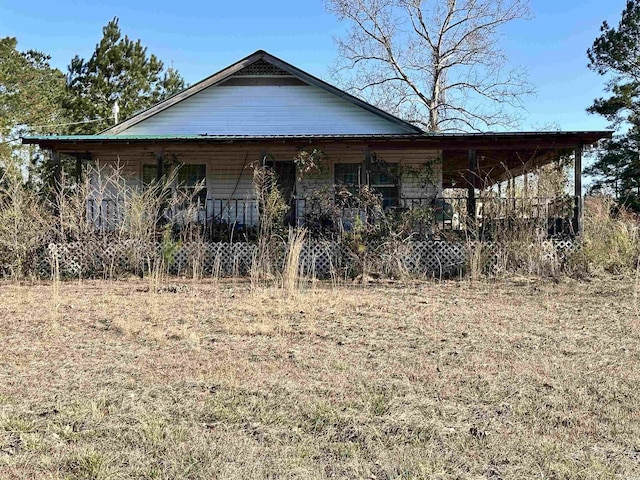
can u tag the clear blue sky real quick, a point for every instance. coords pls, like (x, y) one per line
(199, 38)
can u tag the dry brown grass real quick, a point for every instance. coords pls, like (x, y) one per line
(518, 379)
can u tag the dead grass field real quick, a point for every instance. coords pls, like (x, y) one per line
(511, 380)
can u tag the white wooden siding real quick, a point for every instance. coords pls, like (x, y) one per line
(264, 110)
(229, 170)
(419, 186)
(230, 173)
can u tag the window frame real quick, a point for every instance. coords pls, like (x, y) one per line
(384, 185)
(179, 183)
(379, 177)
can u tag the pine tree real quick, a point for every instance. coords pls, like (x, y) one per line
(616, 55)
(31, 93)
(121, 70)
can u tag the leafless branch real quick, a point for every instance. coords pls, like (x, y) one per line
(436, 63)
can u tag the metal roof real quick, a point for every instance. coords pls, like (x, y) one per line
(129, 138)
(587, 136)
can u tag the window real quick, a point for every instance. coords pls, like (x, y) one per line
(193, 177)
(346, 179)
(347, 174)
(383, 179)
(189, 177)
(149, 174)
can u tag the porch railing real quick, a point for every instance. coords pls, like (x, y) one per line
(219, 217)
(224, 218)
(452, 213)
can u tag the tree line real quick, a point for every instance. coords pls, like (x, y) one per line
(615, 54)
(36, 98)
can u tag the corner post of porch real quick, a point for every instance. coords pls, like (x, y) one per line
(471, 185)
(57, 170)
(56, 180)
(160, 178)
(366, 166)
(578, 207)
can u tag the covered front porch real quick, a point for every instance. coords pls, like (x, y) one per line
(465, 183)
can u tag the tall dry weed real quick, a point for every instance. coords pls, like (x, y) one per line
(292, 275)
(25, 224)
(611, 240)
(272, 209)
(118, 221)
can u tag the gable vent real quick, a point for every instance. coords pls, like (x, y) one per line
(261, 68)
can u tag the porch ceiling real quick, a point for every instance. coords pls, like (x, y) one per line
(496, 165)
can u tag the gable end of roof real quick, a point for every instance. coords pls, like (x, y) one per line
(258, 63)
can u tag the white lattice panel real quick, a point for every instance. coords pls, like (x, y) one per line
(320, 259)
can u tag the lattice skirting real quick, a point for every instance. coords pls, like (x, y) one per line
(115, 258)
(319, 259)
(436, 257)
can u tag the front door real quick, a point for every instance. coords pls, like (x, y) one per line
(286, 183)
(286, 177)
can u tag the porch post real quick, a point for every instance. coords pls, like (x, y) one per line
(526, 204)
(577, 210)
(511, 204)
(366, 166)
(78, 169)
(57, 171)
(160, 166)
(56, 181)
(471, 185)
(159, 178)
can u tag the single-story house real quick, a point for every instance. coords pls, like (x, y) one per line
(263, 109)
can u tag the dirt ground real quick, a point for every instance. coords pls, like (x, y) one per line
(500, 380)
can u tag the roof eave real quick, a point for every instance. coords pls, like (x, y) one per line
(452, 141)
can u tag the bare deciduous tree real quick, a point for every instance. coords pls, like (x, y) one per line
(435, 63)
